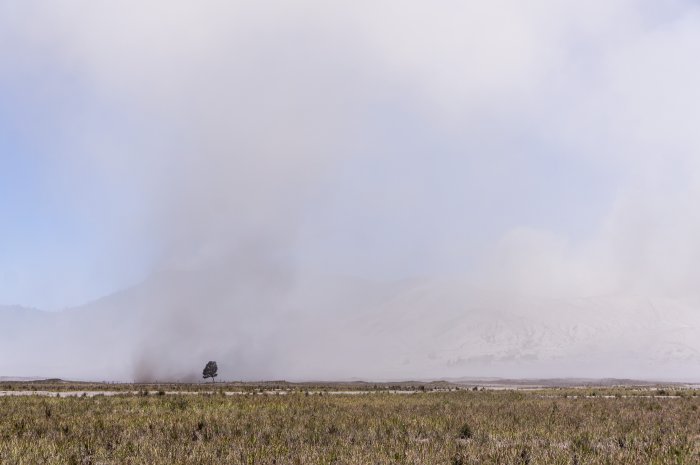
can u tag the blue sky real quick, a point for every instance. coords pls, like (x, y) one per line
(367, 139)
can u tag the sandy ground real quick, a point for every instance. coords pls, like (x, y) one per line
(228, 393)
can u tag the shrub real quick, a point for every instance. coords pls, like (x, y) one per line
(465, 432)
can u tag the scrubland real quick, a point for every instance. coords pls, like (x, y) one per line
(617, 426)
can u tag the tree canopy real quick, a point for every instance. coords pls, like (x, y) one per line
(210, 371)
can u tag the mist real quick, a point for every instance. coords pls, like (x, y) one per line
(381, 190)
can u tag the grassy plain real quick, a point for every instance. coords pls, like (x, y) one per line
(555, 426)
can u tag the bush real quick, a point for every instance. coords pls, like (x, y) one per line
(465, 432)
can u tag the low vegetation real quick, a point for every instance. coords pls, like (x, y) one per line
(459, 427)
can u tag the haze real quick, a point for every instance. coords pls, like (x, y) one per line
(337, 190)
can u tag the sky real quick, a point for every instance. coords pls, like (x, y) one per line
(547, 147)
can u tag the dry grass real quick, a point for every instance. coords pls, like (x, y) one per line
(463, 427)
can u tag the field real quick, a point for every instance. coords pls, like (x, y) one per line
(315, 426)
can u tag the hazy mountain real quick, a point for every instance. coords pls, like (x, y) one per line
(305, 326)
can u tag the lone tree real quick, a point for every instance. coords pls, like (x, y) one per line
(210, 371)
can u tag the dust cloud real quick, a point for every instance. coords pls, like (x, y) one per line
(379, 190)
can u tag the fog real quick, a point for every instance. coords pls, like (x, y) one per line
(342, 190)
